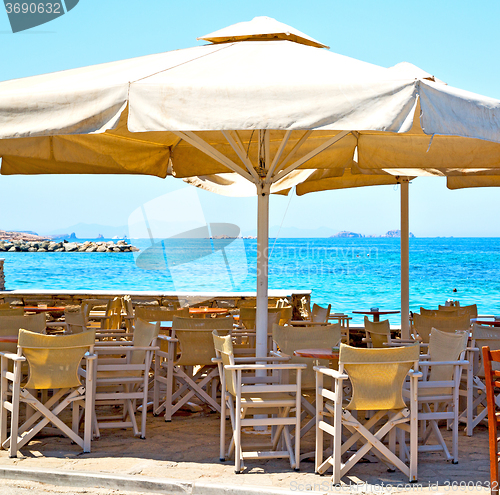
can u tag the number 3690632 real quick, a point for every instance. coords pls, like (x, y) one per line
(33, 8)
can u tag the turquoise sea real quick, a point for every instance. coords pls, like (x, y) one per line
(349, 274)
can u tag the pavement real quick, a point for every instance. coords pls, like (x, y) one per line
(182, 457)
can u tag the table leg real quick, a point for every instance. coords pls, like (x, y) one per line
(376, 318)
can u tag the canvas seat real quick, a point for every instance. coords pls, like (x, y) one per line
(378, 334)
(74, 320)
(288, 340)
(422, 325)
(438, 391)
(491, 362)
(474, 389)
(122, 378)
(184, 364)
(244, 339)
(10, 325)
(46, 356)
(377, 377)
(11, 312)
(160, 314)
(254, 396)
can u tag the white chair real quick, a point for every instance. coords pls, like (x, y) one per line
(122, 378)
(377, 377)
(46, 356)
(474, 388)
(190, 346)
(289, 339)
(438, 392)
(255, 398)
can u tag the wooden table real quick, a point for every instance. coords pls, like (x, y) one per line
(203, 312)
(491, 323)
(323, 353)
(376, 314)
(306, 323)
(46, 309)
(9, 339)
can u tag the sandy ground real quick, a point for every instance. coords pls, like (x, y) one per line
(188, 449)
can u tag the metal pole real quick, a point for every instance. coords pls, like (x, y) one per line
(405, 260)
(262, 269)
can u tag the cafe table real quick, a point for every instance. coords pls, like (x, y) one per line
(332, 354)
(44, 309)
(203, 312)
(491, 323)
(376, 314)
(9, 339)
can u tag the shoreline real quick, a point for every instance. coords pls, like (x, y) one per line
(48, 246)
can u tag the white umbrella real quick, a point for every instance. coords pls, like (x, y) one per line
(262, 100)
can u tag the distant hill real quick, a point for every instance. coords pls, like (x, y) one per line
(347, 234)
(90, 231)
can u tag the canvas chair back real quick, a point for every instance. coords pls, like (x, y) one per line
(75, 321)
(378, 331)
(114, 312)
(424, 324)
(159, 314)
(319, 314)
(485, 336)
(470, 310)
(54, 360)
(223, 346)
(285, 316)
(144, 334)
(449, 311)
(89, 304)
(128, 306)
(12, 312)
(289, 339)
(445, 346)
(10, 325)
(247, 316)
(5, 306)
(377, 375)
(196, 345)
(245, 303)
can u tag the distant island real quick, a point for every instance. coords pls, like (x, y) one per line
(353, 235)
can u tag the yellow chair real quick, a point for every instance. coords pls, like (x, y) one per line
(377, 377)
(74, 320)
(320, 314)
(160, 314)
(449, 311)
(191, 345)
(378, 334)
(470, 310)
(46, 356)
(122, 378)
(12, 312)
(258, 401)
(247, 316)
(474, 389)
(422, 325)
(10, 325)
(438, 392)
(288, 340)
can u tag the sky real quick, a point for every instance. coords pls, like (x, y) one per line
(457, 41)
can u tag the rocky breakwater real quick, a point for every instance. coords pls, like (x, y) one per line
(23, 246)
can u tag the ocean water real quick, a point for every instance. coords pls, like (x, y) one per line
(349, 274)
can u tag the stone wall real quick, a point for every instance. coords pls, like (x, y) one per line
(2, 275)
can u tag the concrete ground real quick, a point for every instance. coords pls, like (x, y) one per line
(187, 450)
